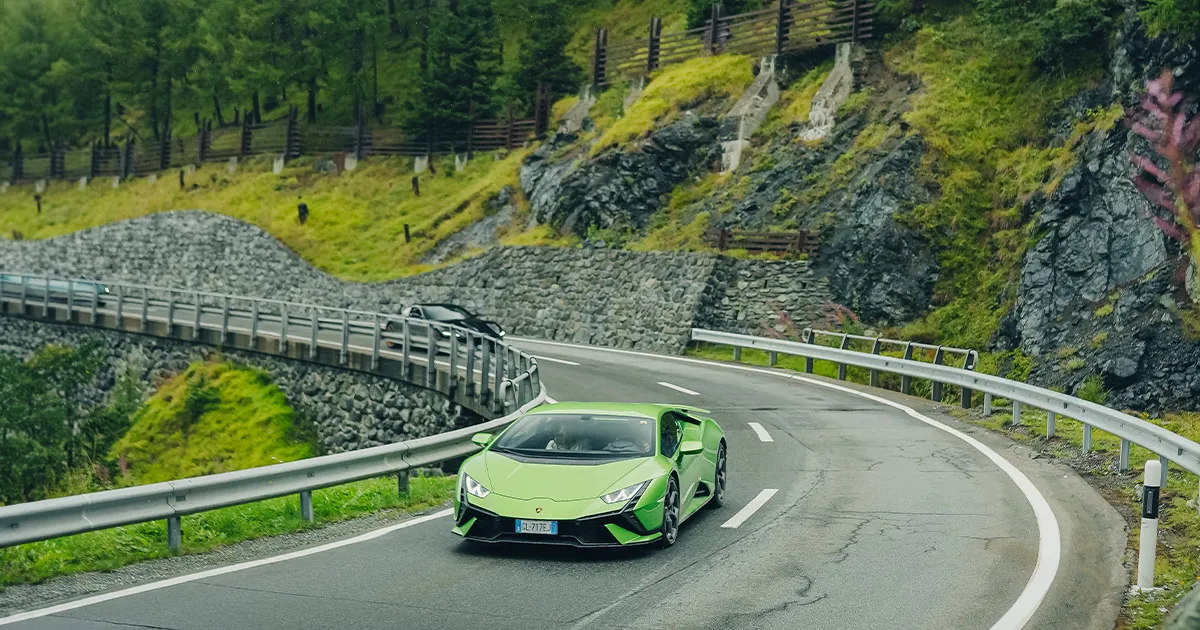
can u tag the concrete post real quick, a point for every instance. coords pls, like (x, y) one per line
(1148, 540)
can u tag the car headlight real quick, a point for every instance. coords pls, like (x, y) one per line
(474, 488)
(445, 333)
(625, 494)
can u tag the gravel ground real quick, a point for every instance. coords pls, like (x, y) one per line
(15, 599)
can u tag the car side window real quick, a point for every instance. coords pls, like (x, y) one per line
(669, 438)
(417, 313)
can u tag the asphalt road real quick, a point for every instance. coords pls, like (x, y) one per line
(878, 521)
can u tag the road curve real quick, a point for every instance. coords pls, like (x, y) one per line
(843, 512)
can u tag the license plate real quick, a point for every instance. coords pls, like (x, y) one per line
(537, 527)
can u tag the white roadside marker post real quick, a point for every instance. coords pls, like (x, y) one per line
(1147, 546)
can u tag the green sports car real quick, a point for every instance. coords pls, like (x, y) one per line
(592, 475)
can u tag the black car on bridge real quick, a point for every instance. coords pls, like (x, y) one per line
(450, 314)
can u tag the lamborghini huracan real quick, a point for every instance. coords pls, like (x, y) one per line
(592, 475)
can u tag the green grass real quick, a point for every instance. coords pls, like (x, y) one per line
(625, 20)
(982, 115)
(355, 228)
(213, 418)
(109, 549)
(674, 89)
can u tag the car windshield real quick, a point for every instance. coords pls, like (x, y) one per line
(579, 435)
(444, 313)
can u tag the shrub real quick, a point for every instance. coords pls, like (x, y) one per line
(1093, 390)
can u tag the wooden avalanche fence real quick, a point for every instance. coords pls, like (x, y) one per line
(806, 243)
(788, 25)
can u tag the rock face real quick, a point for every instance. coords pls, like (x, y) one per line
(1103, 284)
(756, 297)
(499, 212)
(882, 270)
(349, 410)
(645, 301)
(617, 189)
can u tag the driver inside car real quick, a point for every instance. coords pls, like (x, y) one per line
(567, 440)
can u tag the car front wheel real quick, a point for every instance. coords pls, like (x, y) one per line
(670, 524)
(719, 478)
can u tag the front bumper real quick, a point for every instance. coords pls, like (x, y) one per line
(620, 528)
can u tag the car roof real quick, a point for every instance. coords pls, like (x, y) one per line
(647, 410)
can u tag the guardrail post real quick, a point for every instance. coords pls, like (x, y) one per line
(938, 358)
(283, 328)
(95, 301)
(254, 325)
(1148, 539)
(453, 361)
(402, 483)
(471, 362)
(375, 344)
(174, 534)
(737, 353)
(1123, 461)
(345, 337)
(24, 294)
(987, 405)
(196, 316)
(969, 364)
(225, 320)
(906, 381)
(499, 374)
(484, 368)
(407, 341)
(1087, 438)
(1016, 420)
(306, 506)
(46, 298)
(842, 366)
(120, 306)
(772, 357)
(170, 312)
(431, 352)
(1051, 424)
(876, 347)
(312, 342)
(145, 307)
(70, 300)
(808, 362)
(1165, 465)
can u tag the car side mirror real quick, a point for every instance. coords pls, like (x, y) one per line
(482, 439)
(691, 447)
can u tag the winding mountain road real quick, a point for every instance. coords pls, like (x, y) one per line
(845, 511)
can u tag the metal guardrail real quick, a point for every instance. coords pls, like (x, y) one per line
(970, 358)
(470, 368)
(1169, 446)
(170, 500)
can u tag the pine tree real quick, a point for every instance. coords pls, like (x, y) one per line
(543, 57)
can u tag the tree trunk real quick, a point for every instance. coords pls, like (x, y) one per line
(312, 99)
(425, 37)
(46, 132)
(393, 23)
(255, 112)
(108, 112)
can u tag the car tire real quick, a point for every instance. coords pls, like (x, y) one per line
(720, 477)
(671, 514)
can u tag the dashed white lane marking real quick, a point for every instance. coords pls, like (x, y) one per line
(751, 507)
(183, 579)
(761, 432)
(678, 388)
(553, 360)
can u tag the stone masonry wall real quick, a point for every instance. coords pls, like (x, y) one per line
(640, 300)
(349, 410)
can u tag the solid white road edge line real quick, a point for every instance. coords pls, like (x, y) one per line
(761, 432)
(1049, 537)
(553, 360)
(154, 586)
(678, 388)
(750, 509)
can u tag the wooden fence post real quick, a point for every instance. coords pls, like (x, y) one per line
(471, 131)
(712, 37)
(783, 26)
(247, 135)
(653, 46)
(18, 164)
(541, 110)
(127, 169)
(853, 20)
(723, 238)
(57, 162)
(205, 141)
(291, 144)
(94, 168)
(164, 154)
(360, 134)
(508, 133)
(600, 58)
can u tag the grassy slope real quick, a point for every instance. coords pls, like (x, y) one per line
(355, 228)
(213, 418)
